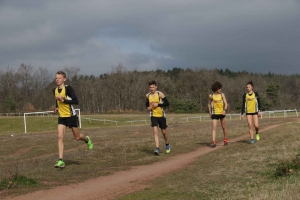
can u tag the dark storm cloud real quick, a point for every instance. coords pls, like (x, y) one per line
(257, 36)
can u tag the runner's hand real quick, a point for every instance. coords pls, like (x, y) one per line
(154, 105)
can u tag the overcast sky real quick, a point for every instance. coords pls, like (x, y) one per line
(94, 35)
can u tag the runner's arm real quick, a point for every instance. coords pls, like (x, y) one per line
(225, 102)
(164, 99)
(243, 106)
(70, 92)
(56, 105)
(258, 102)
(209, 104)
(147, 102)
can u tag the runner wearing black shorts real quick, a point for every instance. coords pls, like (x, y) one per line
(65, 98)
(217, 106)
(155, 101)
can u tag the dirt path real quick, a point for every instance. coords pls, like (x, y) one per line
(124, 182)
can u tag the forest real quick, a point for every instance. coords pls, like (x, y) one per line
(27, 89)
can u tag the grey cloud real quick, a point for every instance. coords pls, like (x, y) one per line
(258, 36)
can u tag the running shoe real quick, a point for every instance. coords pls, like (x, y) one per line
(257, 136)
(252, 141)
(225, 142)
(168, 148)
(60, 164)
(156, 152)
(212, 145)
(89, 143)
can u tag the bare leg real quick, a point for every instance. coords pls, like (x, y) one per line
(255, 119)
(77, 135)
(250, 125)
(61, 129)
(165, 134)
(155, 134)
(223, 124)
(214, 128)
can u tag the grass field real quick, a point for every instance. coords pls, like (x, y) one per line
(46, 123)
(239, 171)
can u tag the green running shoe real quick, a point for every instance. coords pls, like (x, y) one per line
(257, 136)
(89, 143)
(60, 164)
(156, 152)
(168, 148)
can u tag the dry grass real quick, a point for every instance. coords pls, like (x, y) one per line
(239, 171)
(118, 148)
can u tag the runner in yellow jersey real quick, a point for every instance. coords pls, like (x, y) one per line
(65, 97)
(251, 106)
(217, 106)
(155, 101)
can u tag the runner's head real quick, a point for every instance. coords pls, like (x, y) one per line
(249, 86)
(152, 86)
(60, 78)
(216, 87)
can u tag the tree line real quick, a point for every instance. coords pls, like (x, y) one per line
(122, 91)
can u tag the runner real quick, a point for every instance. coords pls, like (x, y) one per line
(251, 106)
(155, 101)
(217, 106)
(65, 97)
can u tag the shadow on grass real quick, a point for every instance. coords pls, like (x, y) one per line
(148, 151)
(71, 162)
(203, 144)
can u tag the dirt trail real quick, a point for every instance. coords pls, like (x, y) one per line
(124, 182)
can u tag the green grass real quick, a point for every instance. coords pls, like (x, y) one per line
(15, 125)
(16, 181)
(33, 155)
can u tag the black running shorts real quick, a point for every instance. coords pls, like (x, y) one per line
(217, 117)
(159, 121)
(69, 121)
(252, 113)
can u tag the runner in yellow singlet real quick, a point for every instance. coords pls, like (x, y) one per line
(252, 108)
(155, 101)
(217, 106)
(65, 98)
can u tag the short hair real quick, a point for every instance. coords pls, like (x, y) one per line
(62, 73)
(216, 86)
(152, 83)
(250, 83)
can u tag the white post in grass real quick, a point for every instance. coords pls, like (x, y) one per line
(25, 123)
(79, 117)
(36, 113)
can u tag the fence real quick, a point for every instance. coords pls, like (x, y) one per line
(200, 118)
(47, 113)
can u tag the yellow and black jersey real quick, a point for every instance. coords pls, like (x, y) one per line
(217, 104)
(157, 111)
(66, 108)
(251, 103)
